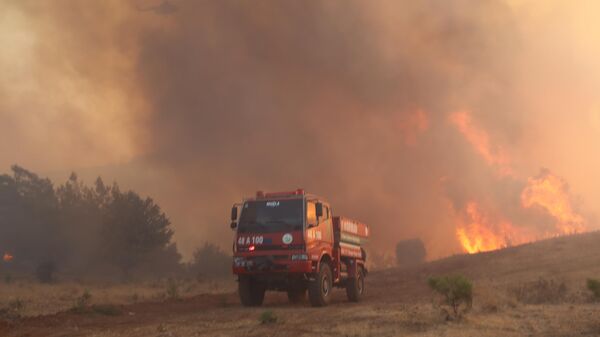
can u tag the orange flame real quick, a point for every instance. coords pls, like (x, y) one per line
(480, 234)
(552, 194)
(547, 191)
(7, 257)
(480, 140)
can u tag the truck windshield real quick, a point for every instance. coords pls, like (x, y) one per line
(270, 216)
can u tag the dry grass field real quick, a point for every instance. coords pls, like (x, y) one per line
(537, 289)
(45, 299)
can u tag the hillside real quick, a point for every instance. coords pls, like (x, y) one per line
(536, 289)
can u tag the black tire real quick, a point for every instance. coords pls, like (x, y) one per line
(252, 292)
(296, 295)
(355, 287)
(319, 289)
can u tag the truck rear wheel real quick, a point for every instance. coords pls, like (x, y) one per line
(252, 292)
(319, 289)
(355, 286)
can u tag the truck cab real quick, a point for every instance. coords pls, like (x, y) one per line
(290, 241)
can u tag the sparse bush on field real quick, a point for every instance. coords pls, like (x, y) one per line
(410, 252)
(541, 291)
(267, 317)
(593, 285)
(13, 309)
(457, 293)
(16, 305)
(106, 309)
(82, 302)
(172, 290)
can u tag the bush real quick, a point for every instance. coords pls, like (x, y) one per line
(106, 309)
(410, 252)
(457, 292)
(172, 290)
(82, 302)
(593, 285)
(13, 309)
(267, 317)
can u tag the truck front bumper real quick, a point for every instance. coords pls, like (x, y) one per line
(269, 264)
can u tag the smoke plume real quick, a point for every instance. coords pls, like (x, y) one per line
(420, 118)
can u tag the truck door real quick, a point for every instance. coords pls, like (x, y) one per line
(319, 233)
(326, 225)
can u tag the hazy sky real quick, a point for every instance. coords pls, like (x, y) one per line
(402, 113)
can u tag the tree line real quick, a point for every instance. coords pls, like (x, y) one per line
(94, 231)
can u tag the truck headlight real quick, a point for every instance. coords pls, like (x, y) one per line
(299, 257)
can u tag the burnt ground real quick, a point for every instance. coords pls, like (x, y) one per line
(532, 290)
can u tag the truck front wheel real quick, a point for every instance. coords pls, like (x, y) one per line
(319, 289)
(252, 292)
(355, 286)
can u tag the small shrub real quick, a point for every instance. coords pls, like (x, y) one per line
(172, 290)
(7, 278)
(106, 309)
(135, 297)
(16, 305)
(82, 302)
(593, 285)
(267, 317)
(13, 309)
(457, 292)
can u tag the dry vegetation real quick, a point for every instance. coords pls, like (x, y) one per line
(45, 299)
(534, 290)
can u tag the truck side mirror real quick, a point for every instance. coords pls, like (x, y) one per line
(233, 213)
(319, 210)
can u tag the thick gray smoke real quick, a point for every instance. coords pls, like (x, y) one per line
(200, 103)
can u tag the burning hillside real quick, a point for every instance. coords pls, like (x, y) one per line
(546, 194)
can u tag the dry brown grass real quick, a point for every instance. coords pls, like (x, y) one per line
(45, 299)
(398, 302)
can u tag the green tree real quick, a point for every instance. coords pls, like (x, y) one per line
(81, 210)
(133, 229)
(29, 225)
(76, 228)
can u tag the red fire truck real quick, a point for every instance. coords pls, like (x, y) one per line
(290, 241)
